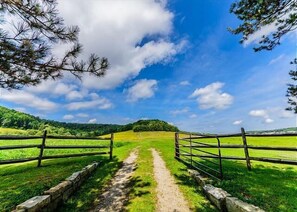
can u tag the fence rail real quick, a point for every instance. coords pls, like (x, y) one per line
(190, 148)
(43, 146)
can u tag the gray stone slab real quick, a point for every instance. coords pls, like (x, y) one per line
(35, 203)
(217, 196)
(74, 178)
(58, 190)
(235, 205)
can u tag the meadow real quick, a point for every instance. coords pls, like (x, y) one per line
(266, 181)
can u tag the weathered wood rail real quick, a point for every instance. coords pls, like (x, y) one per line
(190, 148)
(107, 149)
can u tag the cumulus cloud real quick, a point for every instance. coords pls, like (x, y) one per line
(259, 113)
(132, 34)
(100, 103)
(264, 114)
(238, 122)
(211, 96)
(57, 88)
(142, 89)
(25, 98)
(68, 117)
(92, 121)
(268, 120)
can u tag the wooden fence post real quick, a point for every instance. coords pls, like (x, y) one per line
(220, 158)
(42, 148)
(177, 155)
(111, 146)
(246, 151)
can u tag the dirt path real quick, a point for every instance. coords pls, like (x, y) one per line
(169, 197)
(116, 194)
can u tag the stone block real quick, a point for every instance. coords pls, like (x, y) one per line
(58, 190)
(74, 178)
(34, 204)
(235, 205)
(84, 173)
(68, 193)
(201, 180)
(217, 196)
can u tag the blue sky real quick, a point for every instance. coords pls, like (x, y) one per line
(171, 60)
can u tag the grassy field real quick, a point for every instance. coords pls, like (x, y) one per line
(266, 182)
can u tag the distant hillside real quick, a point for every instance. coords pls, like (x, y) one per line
(34, 125)
(276, 131)
(153, 125)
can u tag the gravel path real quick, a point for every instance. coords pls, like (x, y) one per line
(116, 194)
(169, 196)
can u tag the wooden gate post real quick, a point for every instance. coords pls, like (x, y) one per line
(177, 155)
(42, 148)
(111, 146)
(246, 151)
(220, 158)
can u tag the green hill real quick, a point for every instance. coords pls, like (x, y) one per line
(10, 118)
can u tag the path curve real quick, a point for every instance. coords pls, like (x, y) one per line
(169, 196)
(115, 196)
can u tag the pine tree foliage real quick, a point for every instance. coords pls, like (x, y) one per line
(256, 14)
(29, 30)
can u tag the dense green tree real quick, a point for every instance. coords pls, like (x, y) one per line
(254, 15)
(26, 56)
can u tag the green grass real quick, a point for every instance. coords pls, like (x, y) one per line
(266, 181)
(269, 186)
(11, 131)
(23, 181)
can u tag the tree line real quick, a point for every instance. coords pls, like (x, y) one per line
(34, 125)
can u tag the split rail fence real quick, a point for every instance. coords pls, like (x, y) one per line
(107, 149)
(193, 151)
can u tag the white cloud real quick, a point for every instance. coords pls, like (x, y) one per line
(211, 96)
(68, 117)
(25, 98)
(92, 121)
(142, 89)
(100, 103)
(185, 83)
(264, 114)
(74, 95)
(177, 112)
(268, 120)
(259, 113)
(57, 88)
(257, 36)
(275, 60)
(238, 122)
(82, 115)
(266, 30)
(117, 30)
(192, 116)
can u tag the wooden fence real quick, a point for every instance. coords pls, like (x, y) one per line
(43, 146)
(190, 148)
